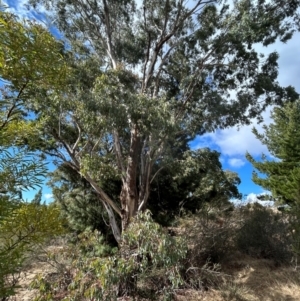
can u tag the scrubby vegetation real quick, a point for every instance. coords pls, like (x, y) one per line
(265, 233)
(23, 229)
(155, 263)
(113, 101)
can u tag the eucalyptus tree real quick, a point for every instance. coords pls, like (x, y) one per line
(148, 73)
(184, 185)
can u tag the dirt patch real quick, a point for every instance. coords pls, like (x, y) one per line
(24, 293)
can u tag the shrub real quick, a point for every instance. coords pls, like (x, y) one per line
(293, 215)
(156, 252)
(22, 227)
(210, 236)
(147, 253)
(231, 291)
(264, 233)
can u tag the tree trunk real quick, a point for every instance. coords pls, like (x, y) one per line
(113, 223)
(144, 183)
(129, 195)
(110, 208)
(129, 205)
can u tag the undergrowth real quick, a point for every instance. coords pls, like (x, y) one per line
(153, 262)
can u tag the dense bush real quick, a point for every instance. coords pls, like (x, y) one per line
(210, 234)
(264, 233)
(293, 216)
(23, 226)
(147, 255)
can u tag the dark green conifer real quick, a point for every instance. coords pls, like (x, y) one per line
(281, 175)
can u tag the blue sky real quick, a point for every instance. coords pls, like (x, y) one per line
(231, 143)
(234, 143)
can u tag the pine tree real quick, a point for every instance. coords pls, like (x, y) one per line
(196, 180)
(282, 137)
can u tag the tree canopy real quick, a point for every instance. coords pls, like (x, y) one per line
(144, 77)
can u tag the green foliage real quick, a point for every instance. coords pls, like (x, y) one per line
(23, 226)
(78, 202)
(19, 168)
(265, 234)
(283, 141)
(29, 54)
(190, 183)
(122, 114)
(38, 197)
(19, 172)
(282, 175)
(183, 185)
(154, 248)
(147, 252)
(30, 57)
(92, 244)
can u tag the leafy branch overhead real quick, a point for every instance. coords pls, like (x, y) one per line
(136, 81)
(26, 50)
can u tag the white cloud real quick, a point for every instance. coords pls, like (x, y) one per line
(20, 9)
(48, 196)
(17, 7)
(253, 198)
(236, 162)
(289, 60)
(236, 142)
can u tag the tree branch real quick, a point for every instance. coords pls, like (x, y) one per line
(118, 151)
(66, 146)
(105, 198)
(110, 51)
(78, 138)
(9, 113)
(165, 38)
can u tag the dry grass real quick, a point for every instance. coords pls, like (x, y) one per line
(243, 278)
(259, 279)
(251, 279)
(37, 265)
(248, 279)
